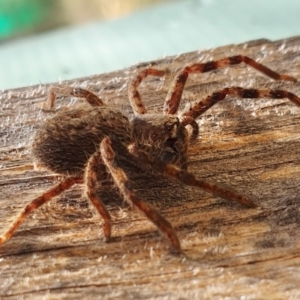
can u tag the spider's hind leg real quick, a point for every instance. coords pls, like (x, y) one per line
(54, 90)
(37, 202)
(133, 93)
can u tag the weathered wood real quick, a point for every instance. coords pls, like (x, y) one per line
(231, 251)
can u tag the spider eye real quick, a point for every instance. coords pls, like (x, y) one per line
(172, 127)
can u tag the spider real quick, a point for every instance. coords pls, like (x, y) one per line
(81, 142)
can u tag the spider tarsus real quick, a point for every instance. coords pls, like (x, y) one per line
(251, 204)
(288, 78)
(234, 195)
(107, 230)
(175, 243)
(175, 251)
(106, 239)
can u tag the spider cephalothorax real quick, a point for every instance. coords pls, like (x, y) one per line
(79, 142)
(162, 137)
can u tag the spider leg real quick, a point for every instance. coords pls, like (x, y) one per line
(187, 120)
(189, 179)
(133, 93)
(203, 105)
(90, 181)
(90, 97)
(37, 202)
(175, 92)
(123, 183)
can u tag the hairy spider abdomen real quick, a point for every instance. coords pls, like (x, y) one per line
(65, 142)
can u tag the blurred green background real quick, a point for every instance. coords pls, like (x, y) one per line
(44, 41)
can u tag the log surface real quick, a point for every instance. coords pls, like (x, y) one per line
(230, 251)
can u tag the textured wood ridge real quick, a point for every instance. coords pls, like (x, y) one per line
(231, 251)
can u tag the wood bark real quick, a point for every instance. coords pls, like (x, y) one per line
(230, 251)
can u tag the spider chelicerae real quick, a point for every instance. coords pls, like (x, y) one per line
(83, 144)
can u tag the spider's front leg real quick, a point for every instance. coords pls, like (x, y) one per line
(203, 105)
(123, 184)
(176, 89)
(54, 90)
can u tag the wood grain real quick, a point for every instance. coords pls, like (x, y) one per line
(231, 251)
